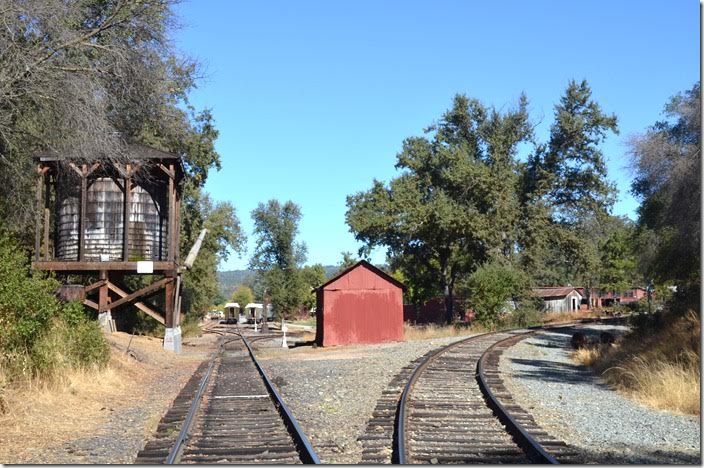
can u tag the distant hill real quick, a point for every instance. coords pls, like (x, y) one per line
(230, 279)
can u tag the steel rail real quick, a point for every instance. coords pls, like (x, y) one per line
(401, 414)
(536, 453)
(305, 449)
(400, 438)
(177, 448)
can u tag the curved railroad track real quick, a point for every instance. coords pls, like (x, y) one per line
(450, 406)
(538, 444)
(229, 412)
(442, 415)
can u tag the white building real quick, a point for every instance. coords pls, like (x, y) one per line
(559, 299)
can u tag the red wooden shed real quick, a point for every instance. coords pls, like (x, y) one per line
(360, 305)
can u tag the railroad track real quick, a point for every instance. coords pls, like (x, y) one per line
(450, 406)
(229, 412)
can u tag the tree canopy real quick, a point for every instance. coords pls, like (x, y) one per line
(667, 162)
(243, 295)
(455, 204)
(464, 200)
(278, 256)
(567, 195)
(84, 79)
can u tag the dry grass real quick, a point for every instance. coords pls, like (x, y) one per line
(662, 384)
(660, 370)
(586, 356)
(425, 332)
(191, 329)
(557, 317)
(40, 417)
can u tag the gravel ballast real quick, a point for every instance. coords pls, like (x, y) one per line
(332, 392)
(573, 404)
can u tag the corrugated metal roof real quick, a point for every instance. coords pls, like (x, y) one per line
(135, 150)
(365, 263)
(559, 291)
(232, 304)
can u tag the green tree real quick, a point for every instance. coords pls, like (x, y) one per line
(618, 259)
(312, 276)
(243, 295)
(667, 162)
(491, 287)
(454, 204)
(40, 337)
(566, 194)
(348, 260)
(200, 284)
(83, 78)
(573, 158)
(278, 257)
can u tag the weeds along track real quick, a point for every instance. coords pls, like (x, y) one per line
(229, 413)
(451, 406)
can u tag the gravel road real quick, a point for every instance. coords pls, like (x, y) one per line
(333, 391)
(570, 403)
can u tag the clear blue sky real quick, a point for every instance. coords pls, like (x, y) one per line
(313, 99)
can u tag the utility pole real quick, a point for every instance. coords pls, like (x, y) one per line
(649, 290)
(265, 312)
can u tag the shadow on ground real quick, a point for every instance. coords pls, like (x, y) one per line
(641, 456)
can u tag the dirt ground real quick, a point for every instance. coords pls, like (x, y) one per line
(99, 417)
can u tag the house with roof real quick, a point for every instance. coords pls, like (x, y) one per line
(362, 304)
(560, 298)
(609, 298)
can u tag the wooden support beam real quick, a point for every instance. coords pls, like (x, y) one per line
(177, 301)
(38, 220)
(142, 292)
(140, 305)
(92, 169)
(103, 293)
(136, 167)
(171, 247)
(76, 169)
(170, 171)
(126, 216)
(93, 286)
(170, 304)
(91, 304)
(46, 234)
(82, 219)
(166, 268)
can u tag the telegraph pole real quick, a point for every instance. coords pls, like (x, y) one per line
(265, 312)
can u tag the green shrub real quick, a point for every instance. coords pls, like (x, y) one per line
(40, 337)
(622, 309)
(491, 287)
(190, 327)
(27, 304)
(523, 316)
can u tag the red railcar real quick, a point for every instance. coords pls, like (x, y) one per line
(360, 305)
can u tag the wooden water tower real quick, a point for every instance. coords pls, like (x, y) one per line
(108, 219)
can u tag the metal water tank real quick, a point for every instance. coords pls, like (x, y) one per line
(104, 222)
(148, 224)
